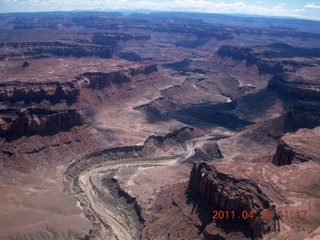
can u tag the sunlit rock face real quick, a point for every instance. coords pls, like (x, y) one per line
(298, 147)
(223, 191)
(114, 125)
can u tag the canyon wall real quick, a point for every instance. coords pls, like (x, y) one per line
(303, 114)
(112, 39)
(154, 148)
(295, 87)
(298, 147)
(32, 50)
(302, 90)
(221, 191)
(101, 80)
(16, 123)
(240, 54)
(28, 92)
(271, 59)
(284, 155)
(45, 108)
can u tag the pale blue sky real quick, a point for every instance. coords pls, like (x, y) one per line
(296, 8)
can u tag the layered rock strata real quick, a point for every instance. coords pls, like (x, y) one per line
(101, 80)
(29, 50)
(114, 38)
(297, 86)
(303, 114)
(15, 123)
(272, 59)
(154, 148)
(46, 108)
(29, 92)
(298, 147)
(221, 191)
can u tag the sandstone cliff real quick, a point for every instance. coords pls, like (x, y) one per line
(272, 59)
(45, 108)
(100, 80)
(16, 123)
(20, 50)
(297, 86)
(29, 92)
(303, 114)
(154, 147)
(112, 39)
(302, 91)
(221, 191)
(298, 147)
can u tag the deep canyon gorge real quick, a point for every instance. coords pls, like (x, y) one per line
(142, 126)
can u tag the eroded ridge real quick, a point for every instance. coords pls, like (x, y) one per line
(83, 179)
(226, 192)
(298, 147)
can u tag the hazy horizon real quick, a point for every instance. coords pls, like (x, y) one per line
(272, 8)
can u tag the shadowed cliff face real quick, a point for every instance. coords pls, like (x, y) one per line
(114, 38)
(16, 123)
(302, 146)
(154, 147)
(303, 114)
(221, 191)
(54, 92)
(33, 50)
(301, 89)
(101, 80)
(271, 59)
(284, 155)
(45, 108)
(296, 86)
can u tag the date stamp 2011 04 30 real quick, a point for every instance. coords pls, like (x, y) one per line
(286, 214)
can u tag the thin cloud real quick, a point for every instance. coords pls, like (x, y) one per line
(175, 5)
(312, 5)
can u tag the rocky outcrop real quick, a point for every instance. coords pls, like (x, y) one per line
(284, 155)
(16, 123)
(302, 89)
(275, 50)
(192, 43)
(42, 108)
(154, 147)
(100, 80)
(30, 50)
(221, 191)
(298, 147)
(210, 113)
(271, 59)
(112, 39)
(56, 92)
(303, 114)
(244, 53)
(25, 64)
(28, 92)
(145, 69)
(296, 86)
(28, 25)
(130, 56)
(181, 65)
(234, 52)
